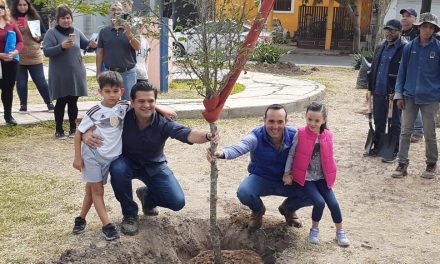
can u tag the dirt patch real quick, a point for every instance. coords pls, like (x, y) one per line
(179, 240)
(282, 68)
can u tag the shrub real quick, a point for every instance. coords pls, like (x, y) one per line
(267, 52)
(359, 56)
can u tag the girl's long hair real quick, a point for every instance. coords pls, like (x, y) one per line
(318, 107)
(31, 13)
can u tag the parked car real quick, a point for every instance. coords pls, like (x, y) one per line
(189, 41)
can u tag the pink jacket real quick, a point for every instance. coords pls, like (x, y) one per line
(303, 155)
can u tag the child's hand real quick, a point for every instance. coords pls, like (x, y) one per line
(78, 164)
(287, 179)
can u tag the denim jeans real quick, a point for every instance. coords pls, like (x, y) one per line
(409, 115)
(130, 79)
(253, 187)
(418, 125)
(163, 188)
(37, 75)
(321, 195)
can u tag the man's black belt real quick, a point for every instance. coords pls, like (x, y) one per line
(119, 69)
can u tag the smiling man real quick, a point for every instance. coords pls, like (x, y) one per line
(269, 147)
(144, 135)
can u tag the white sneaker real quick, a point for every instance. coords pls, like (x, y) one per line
(341, 238)
(314, 236)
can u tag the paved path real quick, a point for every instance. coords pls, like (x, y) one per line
(261, 90)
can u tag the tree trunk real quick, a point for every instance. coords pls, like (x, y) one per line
(214, 229)
(354, 14)
(426, 6)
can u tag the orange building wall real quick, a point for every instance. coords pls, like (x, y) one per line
(290, 20)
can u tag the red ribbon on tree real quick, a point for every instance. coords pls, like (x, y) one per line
(214, 105)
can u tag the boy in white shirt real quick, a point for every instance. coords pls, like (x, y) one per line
(94, 164)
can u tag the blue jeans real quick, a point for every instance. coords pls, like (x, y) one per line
(253, 187)
(418, 125)
(163, 188)
(320, 195)
(130, 79)
(409, 115)
(37, 75)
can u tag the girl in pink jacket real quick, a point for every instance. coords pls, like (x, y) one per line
(311, 164)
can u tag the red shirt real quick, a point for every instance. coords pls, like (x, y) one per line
(3, 31)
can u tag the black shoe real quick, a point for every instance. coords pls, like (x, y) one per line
(372, 153)
(391, 159)
(140, 192)
(23, 108)
(129, 225)
(50, 108)
(109, 231)
(401, 171)
(60, 135)
(10, 121)
(72, 133)
(80, 225)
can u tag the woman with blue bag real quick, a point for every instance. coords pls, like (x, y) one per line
(11, 42)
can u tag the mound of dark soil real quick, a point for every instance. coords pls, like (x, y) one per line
(178, 240)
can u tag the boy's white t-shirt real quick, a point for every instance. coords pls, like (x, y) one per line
(109, 123)
(141, 57)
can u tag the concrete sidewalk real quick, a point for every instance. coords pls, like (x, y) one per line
(261, 90)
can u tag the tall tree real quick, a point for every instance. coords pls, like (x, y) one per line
(426, 6)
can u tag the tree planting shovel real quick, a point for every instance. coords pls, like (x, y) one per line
(388, 142)
(370, 137)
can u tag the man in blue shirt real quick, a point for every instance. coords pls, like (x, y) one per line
(143, 139)
(269, 147)
(418, 87)
(384, 68)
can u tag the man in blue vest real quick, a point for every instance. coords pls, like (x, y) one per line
(269, 147)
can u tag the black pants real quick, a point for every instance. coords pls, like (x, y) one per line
(72, 112)
(9, 70)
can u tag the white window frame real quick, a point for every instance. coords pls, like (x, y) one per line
(292, 2)
(292, 7)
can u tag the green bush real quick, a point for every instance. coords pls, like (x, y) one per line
(267, 52)
(358, 58)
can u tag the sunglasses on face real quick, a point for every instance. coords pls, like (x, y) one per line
(3, 7)
(389, 30)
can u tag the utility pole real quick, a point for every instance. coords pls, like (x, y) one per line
(163, 48)
(426, 6)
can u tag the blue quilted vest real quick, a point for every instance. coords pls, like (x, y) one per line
(266, 160)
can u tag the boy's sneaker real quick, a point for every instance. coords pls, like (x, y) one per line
(140, 192)
(50, 108)
(430, 171)
(80, 225)
(109, 231)
(60, 135)
(314, 236)
(341, 238)
(23, 108)
(129, 225)
(401, 171)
